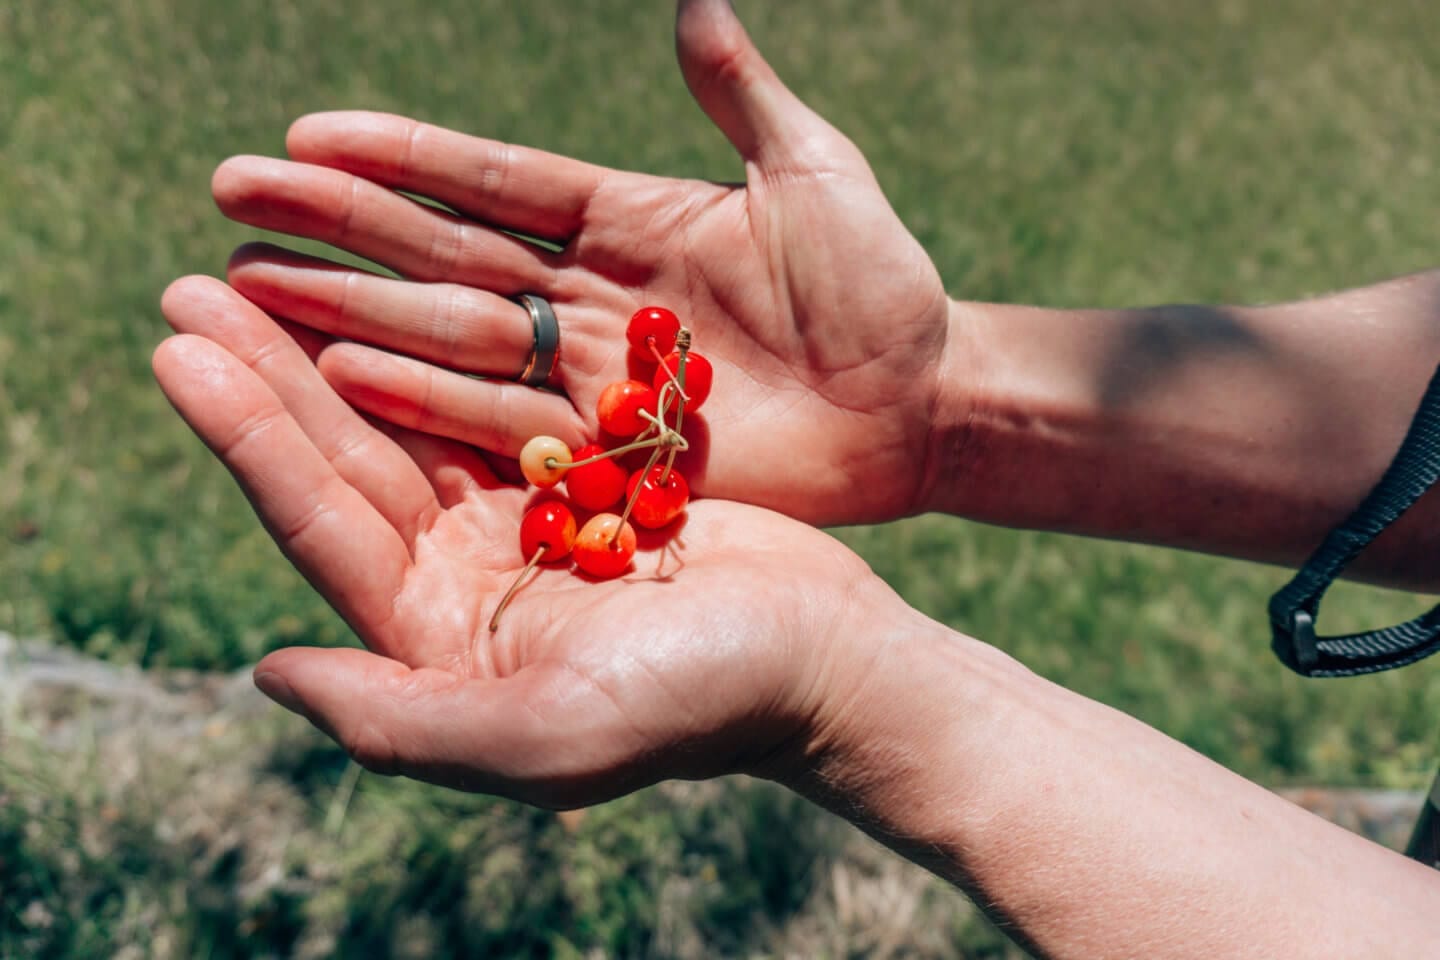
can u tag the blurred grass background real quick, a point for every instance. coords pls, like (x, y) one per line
(1057, 152)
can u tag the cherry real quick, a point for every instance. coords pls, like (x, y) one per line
(620, 404)
(600, 550)
(549, 528)
(661, 499)
(598, 485)
(547, 532)
(542, 459)
(652, 328)
(655, 495)
(699, 375)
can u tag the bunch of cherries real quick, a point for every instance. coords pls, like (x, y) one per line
(652, 414)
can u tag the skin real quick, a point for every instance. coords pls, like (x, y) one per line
(1086, 832)
(817, 341)
(1249, 431)
(589, 689)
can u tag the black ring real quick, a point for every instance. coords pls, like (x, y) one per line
(547, 340)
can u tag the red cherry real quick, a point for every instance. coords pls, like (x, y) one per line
(550, 525)
(698, 377)
(661, 498)
(598, 485)
(547, 532)
(652, 325)
(596, 554)
(620, 404)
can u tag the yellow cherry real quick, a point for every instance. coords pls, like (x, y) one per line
(542, 460)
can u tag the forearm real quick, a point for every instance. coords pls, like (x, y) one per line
(1246, 431)
(1091, 835)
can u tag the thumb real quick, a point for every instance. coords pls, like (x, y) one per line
(484, 735)
(739, 91)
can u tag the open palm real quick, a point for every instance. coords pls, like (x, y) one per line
(824, 318)
(702, 662)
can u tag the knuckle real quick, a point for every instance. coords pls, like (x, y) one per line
(306, 520)
(348, 209)
(496, 170)
(448, 326)
(258, 424)
(371, 747)
(353, 445)
(447, 244)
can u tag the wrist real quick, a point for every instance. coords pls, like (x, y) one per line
(1083, 831)
(898, 739)
(1014, 399)
(957, 401)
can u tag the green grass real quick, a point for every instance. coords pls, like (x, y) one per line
(1056, 152)
(275, 858)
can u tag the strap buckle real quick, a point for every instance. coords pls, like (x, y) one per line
(1302, 640)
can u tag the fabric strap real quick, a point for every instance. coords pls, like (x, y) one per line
(1295, 607)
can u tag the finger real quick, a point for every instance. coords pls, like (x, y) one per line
(362, 456)
(336, 538)
(309, 340)
(411, 238)
(491, 414)
(530, 736)
(743, 96)
(453, 325)
(529, 191)
(456, 472)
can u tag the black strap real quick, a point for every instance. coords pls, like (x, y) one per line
(1295, 606)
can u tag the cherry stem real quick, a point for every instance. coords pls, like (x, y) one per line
(682, 342)
(650, 342)
(667, 438)
(630, 504)
(505, 600)
(667, 394)
(669, 465)
(552, 464)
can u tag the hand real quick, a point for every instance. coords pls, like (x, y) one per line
(715, 655)
(825, 320)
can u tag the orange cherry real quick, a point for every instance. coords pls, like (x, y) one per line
(620, 404)
(602, 552)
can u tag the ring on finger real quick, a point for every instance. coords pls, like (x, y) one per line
(546, 349)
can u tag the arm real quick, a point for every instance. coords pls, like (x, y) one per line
(1088, 834)
(752, 643)
(1249, 431)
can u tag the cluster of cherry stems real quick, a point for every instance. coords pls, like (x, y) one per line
(652, 414)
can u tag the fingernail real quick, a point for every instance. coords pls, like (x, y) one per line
(277, 688)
